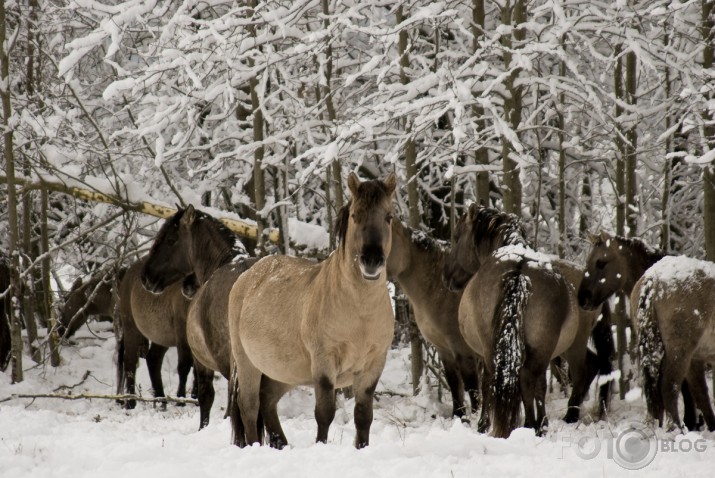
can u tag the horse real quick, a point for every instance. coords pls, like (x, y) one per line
(94, 297)
(327, 324)
(147, 325)
(517, 312)
(194, 242)
(415, 263)
(617, 264)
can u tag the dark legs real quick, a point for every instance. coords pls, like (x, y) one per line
(325, 406)
(204, 379)
(699, 389)
(154, 359)
(271, 393)
(186, 361)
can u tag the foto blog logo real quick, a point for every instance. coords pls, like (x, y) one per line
(633, 445)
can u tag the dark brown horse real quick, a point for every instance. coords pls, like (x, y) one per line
(328, 324)
(193, 242)
(517, 312)
(416, 262)
(95, 297)
(142, 318)
(616, 264)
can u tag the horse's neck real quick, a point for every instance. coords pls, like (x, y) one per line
(423, 274)
(639, 260)
(214, 252)
(341, 273)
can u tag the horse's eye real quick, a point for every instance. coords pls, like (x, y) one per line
(600, 264)
(388, 218)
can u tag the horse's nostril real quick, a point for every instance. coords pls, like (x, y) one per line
(372, 260)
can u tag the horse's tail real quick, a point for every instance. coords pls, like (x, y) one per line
(650, 350)
(508, 352)
(602, 338)
(238, 436)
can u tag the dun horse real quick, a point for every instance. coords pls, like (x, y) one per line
(328, 324)
(193, 242)
(92, 298)
(517, 312)
(664, 296)
(416, 262)
(144, 317)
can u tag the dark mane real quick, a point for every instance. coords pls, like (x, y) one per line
(639, 246)
(219, 229)
(341, 223)
(426, 242)
(502, 228)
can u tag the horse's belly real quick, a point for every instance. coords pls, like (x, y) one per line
(196, 337)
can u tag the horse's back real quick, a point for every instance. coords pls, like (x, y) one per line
(550, 317)
(682, 299)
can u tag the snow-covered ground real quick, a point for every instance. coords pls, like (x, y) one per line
(411, 436)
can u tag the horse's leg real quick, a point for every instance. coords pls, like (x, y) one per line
(249, 389)
(133, 343)
(690, 412)
(699, 389)
(672, 374)
(238, 431)
(154, 359)
(271, 393)
(487, 401)
(583, 367)
(456, 386)
(469, 370)
(528, 379)
(204, 378)
(364, 385)
(185, 361)
(325, 403)
(542, 422)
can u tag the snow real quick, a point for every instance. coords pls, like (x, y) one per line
(411, 436)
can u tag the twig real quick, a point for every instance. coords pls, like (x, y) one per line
(102, 397)
(70, 387)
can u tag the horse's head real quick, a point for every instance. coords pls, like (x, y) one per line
(74, 302)
(365, 224)
(462, 262)
(168, 260)
(604, 273)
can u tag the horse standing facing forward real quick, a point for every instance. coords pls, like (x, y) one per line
(517, 312)
(328, 325)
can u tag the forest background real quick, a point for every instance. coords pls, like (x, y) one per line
(577, 116)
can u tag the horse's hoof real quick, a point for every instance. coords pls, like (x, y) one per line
(464, 419)
(572, 415)
(483, 427)
(130, 404)
(278, 442)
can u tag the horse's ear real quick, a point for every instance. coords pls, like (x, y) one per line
(178, 207)
(391, 183)
(592, 238)
(472, 211)
(76, 284)
(189, 215)
(604, 236)
(353, 183)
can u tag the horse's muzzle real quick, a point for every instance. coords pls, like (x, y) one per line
(585, 300)
(151, 286)
(372, 265)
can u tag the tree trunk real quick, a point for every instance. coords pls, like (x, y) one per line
(631, 149)
(412, 203)
(510, 16)
(336, 169)
(707, 30)
(259, 183)
(621, 317)
(16, 291)
(481, 155)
